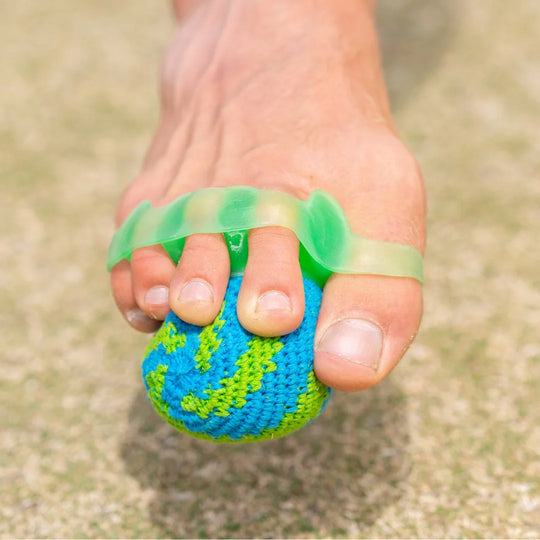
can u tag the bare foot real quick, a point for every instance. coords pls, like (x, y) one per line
(289, 96)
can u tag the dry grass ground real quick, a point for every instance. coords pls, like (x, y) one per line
(448, 446)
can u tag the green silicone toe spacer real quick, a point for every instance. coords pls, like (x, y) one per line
(327, 243)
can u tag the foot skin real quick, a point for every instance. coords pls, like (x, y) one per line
(289, 96)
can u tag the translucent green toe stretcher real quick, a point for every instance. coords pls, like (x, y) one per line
(327, 243)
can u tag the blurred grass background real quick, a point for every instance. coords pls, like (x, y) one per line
(448, 446)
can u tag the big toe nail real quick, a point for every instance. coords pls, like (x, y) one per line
(354, 340)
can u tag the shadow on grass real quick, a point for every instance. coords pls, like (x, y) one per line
(334, 477)
(414, 36)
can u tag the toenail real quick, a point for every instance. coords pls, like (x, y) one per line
(136, 315)
(355, 340)
(197, 291)
(273, 301)
(157, 295)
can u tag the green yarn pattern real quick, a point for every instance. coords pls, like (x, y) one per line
(211, 383)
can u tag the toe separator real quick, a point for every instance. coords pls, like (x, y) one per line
(328, 245)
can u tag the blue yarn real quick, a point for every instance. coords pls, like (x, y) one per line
(281, 394)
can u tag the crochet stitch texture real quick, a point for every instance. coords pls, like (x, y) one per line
(225, 384)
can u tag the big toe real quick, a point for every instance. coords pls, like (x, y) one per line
(365, 325)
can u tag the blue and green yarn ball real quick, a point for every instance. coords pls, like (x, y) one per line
(225, 384)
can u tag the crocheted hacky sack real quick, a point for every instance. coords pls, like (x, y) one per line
(224, 384)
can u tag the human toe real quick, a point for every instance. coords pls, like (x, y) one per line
(122, 288)
(271, 298)
(200, 281)
(365, 325)
(152, 271)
